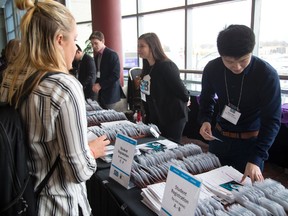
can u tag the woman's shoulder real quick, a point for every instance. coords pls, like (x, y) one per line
(61, 83)
(167, 64)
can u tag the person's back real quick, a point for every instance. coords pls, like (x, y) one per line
(86, 71)
(54, 113)
(9, 54)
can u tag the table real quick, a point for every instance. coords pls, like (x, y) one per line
(108, 197)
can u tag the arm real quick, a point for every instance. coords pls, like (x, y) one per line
(171, 74)
(207, 99)
(71, 130)
(270, 119)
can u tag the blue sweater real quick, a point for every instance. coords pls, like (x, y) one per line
(260, 104)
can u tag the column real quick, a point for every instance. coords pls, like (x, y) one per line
(106, 17)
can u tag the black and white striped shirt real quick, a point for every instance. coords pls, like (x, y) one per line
(55, 116)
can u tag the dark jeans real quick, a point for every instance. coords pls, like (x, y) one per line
(233, 152)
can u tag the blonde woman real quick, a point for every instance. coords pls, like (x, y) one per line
(54, 113)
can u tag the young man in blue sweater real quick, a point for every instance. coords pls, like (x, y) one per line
(249, 102)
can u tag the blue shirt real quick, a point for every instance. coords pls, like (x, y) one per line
(260, 103)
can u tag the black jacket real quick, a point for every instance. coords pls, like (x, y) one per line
(111, 90)
(168, 95)
(87, 75)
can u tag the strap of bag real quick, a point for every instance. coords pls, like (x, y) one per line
(45, 180)
(21, 100)
(28, 82)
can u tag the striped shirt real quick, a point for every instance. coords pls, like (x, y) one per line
(55, 116)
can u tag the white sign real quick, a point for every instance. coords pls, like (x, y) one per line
(122, 159)
(181, 193)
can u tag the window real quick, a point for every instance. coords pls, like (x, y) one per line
(204, 24)
(172, 34)
(150, 5)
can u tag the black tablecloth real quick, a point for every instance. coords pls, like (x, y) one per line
(108, 197)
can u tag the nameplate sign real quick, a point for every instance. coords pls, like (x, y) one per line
(122, 159)
(181, 193)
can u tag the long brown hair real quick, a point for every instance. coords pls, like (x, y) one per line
(156, 48)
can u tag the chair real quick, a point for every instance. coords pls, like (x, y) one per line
(134, 96)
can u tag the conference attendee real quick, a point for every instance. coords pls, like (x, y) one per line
(54, 114)
(249, 100)
(8, 55)
(86, 72)
(163, 93)
(107, 62)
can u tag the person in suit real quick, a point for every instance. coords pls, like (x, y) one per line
(163, 92)
(107, 84)
(86, 72)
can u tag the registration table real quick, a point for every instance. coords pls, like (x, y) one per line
(108, 197)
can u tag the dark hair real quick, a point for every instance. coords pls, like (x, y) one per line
(78, 47)
(235, 41)
(156, 48)
(97, 35)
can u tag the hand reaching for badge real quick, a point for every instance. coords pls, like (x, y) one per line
(206, 132)
(98, 146)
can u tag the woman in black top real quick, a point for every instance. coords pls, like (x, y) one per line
(162, 91)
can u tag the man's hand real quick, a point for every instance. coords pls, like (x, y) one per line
(205, 131)
(96, 87)
(253, 171)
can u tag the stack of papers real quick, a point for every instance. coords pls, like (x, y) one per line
(222, 181)
(217, 184)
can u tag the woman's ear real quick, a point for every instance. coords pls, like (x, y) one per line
(59, 39)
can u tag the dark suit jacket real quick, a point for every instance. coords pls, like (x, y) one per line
(87, 75)
(111, 90)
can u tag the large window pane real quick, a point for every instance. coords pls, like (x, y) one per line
(204, 24)
(128, 7)
(81, 9)
(150, 5)
(273, 35)
(170, 28)
(199, 1)
(84, 32)
(129, 41)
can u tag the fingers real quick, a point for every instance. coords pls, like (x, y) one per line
(243, 179)
(205, 131)
(254, 172)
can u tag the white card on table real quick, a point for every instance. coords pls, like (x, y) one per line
(122, 159)
(181, 193)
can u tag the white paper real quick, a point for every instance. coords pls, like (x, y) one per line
(122, 159)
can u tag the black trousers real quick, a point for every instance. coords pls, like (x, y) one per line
(173, 130)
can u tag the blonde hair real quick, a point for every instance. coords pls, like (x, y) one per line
(40, 26)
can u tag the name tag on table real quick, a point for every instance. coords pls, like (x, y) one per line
(124, 151)
(181, 193)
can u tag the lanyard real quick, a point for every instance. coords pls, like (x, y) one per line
(241, 88)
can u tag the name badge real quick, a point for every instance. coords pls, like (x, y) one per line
(98, 74)
(145, 85)
(231, 115)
